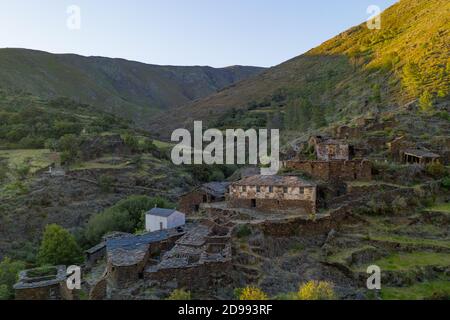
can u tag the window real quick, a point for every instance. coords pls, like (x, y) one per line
(258, 189)
(285, 190)
(244, 189)
(302, 190)
(271, 189)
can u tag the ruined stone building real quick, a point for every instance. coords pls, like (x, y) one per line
(127, 257)
(50, 286)
(207, 193)
(332, 150)
(274, 194)
(333, 170)
(201, 258)
(422, 157)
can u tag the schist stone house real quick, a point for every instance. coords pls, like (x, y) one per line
(422, 157)
(207, 193)
(161, 219)
(274, 194)
(328, 150)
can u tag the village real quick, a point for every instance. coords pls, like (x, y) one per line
(192, 246)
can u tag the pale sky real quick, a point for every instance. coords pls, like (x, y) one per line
(181, 32)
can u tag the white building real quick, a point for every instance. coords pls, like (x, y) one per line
(161, 219)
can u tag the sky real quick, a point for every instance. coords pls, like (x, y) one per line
(217, 33)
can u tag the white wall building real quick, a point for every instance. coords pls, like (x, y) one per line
(161, 219)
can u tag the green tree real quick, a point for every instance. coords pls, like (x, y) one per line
(9, 271)
(58, 246)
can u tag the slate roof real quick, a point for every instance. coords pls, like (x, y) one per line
(422, 153)
(217, 189)
(279, 181)
(159, 212)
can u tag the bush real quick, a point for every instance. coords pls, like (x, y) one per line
(436, 170)
(426, 101)
(9, 271)
(180, 294)
(107, 221)
(446, 183)
(316, 290)
(58, 247)
(105, 182)
(125, 216)
(399, 204)
(253, 293)
(244, 231)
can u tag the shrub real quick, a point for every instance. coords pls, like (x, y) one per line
(244, 231)
(399, 204)
(125, 216)
(252, 293)
(316, 290)
(180, 294)
(107, 221)
(436, 170)
(426, 101)
(446, 183)
(106, 183)
(58, 247)
(9, 271)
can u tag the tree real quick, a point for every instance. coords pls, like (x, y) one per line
(316, 290)
(58, 247)
(253, 293)
(9, 271)
(180, 294)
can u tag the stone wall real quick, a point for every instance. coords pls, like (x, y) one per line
(190, 203)
(99, 290)
(333, 170)
(330, 151)
(274, 205)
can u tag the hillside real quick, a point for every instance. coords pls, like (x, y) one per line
(357, 72)
(125, 88)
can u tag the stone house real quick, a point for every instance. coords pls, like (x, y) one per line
(161, 219)
(274, 194)
(329, 150)
(333, 170)
(418, 156)
(207, 193)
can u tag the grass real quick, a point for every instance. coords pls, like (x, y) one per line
(42, 272)
(420, 291)
(411, 240)
(38, 158)
(406, 261)
(441, 207)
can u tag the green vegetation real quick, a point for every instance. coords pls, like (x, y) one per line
(439, 289)
(406, 261)
(180, 295)
(244, 231)
(31, 123)
(42, 272)
(58, 247)
(441, 207)
(126, 216)
(9, 271)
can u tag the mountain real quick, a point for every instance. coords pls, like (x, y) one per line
(357, 72)
(127, 88)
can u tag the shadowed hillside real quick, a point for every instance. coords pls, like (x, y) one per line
(126, 88)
